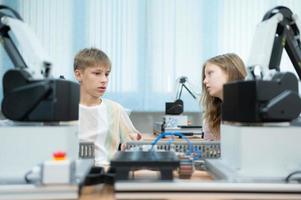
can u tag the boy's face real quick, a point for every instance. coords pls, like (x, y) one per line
(93, 80)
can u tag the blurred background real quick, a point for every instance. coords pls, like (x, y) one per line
(150, 42)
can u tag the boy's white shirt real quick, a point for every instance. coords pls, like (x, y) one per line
(93, 127)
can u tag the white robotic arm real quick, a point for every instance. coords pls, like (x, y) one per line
(28, 54)
(44, 99)
(261, 49)
(279, 29)
(265, 98)
(37, 62)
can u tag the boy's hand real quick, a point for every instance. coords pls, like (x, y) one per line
(133, 136)
(136, 136)
(139, 136)
(123, 147)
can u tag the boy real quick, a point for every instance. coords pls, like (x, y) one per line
(101, 121)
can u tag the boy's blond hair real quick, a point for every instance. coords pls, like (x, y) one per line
(90, 57)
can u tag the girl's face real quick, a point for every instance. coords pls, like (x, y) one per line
(215, 78)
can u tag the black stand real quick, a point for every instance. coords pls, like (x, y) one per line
(165, 162)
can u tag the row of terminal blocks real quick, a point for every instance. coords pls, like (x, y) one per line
(207, 149)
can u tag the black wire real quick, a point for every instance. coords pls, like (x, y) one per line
(26, 177)
(12, 10)
(189, 91)
(288, 178)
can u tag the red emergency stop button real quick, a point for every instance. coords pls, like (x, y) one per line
(59, 155)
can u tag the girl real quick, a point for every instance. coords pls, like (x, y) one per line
(216, 72)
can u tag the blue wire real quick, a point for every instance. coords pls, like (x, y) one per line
(198, 152)
(175, 134)
(170, 141)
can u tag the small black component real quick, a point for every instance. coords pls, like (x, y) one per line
(126, 161)
(174, 108)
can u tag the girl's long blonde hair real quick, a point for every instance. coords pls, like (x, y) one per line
(235, 68)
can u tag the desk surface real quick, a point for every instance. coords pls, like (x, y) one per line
(101, 192)
(107, 192)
